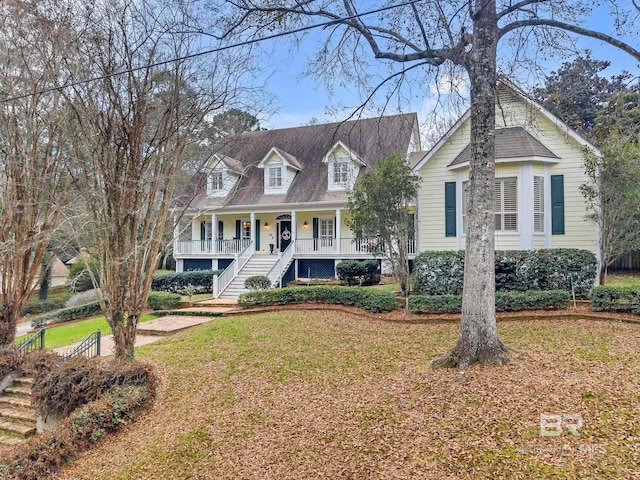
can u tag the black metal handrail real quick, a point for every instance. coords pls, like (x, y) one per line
(32, 342)
(89, 347)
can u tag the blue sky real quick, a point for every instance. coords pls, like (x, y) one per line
(299, 98)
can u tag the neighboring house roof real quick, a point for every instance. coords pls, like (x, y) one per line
(59, 269)
(304, 148)
(506, 91)
(514, 142)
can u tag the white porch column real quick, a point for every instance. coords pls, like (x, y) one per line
(214, 233)
(338, 229)
(294, 225)
(252, 229)
(195, 229)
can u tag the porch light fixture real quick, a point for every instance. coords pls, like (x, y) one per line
(305, 224)
(266, 225)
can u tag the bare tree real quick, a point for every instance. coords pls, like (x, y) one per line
(435, 35)
(34, 149)
(133, 127)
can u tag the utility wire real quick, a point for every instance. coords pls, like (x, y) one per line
(207, 52)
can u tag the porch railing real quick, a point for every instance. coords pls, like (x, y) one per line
(89, 347)
(348, 246)
(221, 282)
(195, 247)
(34, 341)
(283, 262)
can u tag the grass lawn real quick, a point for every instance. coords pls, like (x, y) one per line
(313, 394)
(623, 279)
(73, 332)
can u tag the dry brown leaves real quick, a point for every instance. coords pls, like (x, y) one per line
(328, 394)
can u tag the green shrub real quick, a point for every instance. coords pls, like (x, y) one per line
(200, 280)
(375, 301)
(257, 282)
(163, 300)
(67, 314)
(357, 271)
(35, 306)
(440, 273)
(506, 301)
(615, 299)
(81, 273)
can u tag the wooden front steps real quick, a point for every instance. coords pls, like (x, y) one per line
(17, 415)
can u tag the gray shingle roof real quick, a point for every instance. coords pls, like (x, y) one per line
(371, 139)
(513, 142)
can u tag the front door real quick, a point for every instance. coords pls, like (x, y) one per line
(284, 234)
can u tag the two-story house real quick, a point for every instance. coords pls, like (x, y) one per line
(275, 202)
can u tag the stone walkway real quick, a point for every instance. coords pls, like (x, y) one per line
(154, 330)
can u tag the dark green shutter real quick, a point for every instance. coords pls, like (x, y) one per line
(450, 209)
(557, 204)
(220, 229)
(315, 233)
(203, 231)
(238, 229)
(257, 234)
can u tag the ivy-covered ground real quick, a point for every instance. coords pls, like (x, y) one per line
(328, 394)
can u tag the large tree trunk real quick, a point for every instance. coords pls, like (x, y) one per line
(478, 340)
(124, 336)
(8, 322)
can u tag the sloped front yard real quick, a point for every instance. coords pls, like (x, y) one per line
(312, 394)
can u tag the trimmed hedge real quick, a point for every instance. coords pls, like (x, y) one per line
(506, 301)
(67, 314)
(442, 272)
(163, 300)
(201, 280)
(615, 299)
(357, 271)
(374, 301)
(257, 282)
(35, 306)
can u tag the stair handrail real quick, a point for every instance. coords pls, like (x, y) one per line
(32, 342)
(89, 347)
(221, 282)
(278, 268)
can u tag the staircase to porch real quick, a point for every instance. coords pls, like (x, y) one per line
(258, 264)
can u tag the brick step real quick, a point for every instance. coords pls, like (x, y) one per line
(9, 441)
(18, 391)
(23, 382)
(16, 429)
(23, 417)
(15, 402)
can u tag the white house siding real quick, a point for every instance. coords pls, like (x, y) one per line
(579, 232)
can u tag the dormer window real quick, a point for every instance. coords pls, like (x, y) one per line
(217, 182)
(275, 177)
(340, 172)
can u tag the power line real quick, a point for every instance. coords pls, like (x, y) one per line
(207, 52)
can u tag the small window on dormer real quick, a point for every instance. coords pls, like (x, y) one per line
(217, 182)
(275, 177)
(340, 172)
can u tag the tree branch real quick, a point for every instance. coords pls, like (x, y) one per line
(518, 6)
(536, 22)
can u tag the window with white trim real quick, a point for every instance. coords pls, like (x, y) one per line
(538, 204)
(506, 203)
(217, 182)
(340, 172)
(246, 230)
(275, 177)
(327, 231)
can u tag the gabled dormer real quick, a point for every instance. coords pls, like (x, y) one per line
(280, 168)
(223, 173)
(343, 165)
